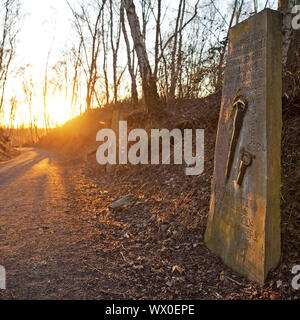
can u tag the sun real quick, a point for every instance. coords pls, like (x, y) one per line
(59, 111)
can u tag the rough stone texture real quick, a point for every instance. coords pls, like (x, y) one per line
(244, 220)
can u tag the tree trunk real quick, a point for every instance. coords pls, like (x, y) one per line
(290, 51)
(179, 60)
(134, 94)
(220, 71)
(286, 8)
(91, 53)
(157, 38)
(104, 47)
(115, 48)
(174, 53)
(148, 83)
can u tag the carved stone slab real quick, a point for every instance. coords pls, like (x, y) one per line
(244, 218)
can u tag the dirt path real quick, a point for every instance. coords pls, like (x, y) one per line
(58, 240)
(45, 244)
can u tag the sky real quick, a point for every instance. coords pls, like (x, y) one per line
(47, 25)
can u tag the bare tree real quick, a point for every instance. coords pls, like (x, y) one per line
(115, 45)
(174, 41)
(130, 62)
(255, 6)
(236, 11)
(286, 8)
(91, 44)
(10, 12)
(157, 38)
(105, 49)
(148, 82)
(28, 89)
(239, 9)
(290, 51)
(174, 50)
(146, 10)
(75, 82)
(45, 92)
(178, 73)
(13, 107)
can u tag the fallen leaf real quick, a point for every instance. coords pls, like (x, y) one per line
(178, 269)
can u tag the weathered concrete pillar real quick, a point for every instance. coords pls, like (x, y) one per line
(244, 218)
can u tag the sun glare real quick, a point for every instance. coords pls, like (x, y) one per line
(58, 111)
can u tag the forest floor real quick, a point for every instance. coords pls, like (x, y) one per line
(59, 238)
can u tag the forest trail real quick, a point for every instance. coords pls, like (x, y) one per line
(60, 240)
(43, 243)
